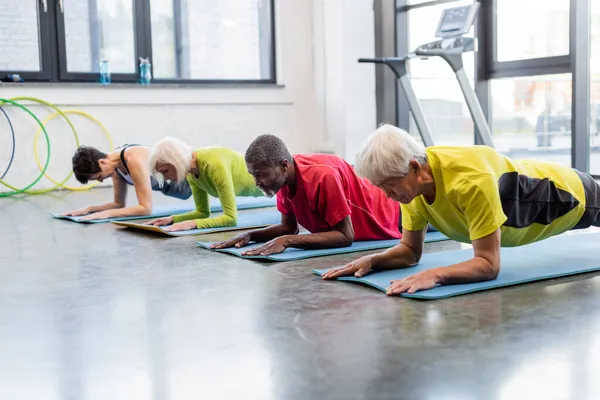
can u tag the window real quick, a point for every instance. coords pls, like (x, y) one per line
(435, 84)
(595, 89)
(531, 29)
(531, 117)
(19, 36)
(229, 33)
(184, 40)
(97, 30)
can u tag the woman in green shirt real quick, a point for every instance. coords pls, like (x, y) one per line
(215, 171)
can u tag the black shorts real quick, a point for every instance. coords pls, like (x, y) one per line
(591, 215)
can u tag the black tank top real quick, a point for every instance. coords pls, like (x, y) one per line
(125, 176)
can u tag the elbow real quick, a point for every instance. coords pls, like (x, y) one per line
(347, 239)
(493, 270)
(490, 269)
(416, 257)
(290, 230)
(145, 210)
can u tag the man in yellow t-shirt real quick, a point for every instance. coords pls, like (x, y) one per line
(472, 195)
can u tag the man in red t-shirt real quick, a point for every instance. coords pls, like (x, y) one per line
(320, 192)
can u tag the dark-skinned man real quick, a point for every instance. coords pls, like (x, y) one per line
(319, 192)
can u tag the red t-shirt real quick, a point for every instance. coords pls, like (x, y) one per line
(328, 190)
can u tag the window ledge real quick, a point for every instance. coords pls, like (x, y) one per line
(158, 85)
(93, 94)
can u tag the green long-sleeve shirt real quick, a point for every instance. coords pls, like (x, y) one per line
(222, 174)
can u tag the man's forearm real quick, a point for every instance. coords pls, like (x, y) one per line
(399, 256)
(477, 269)
(271, 232)
(323, 240)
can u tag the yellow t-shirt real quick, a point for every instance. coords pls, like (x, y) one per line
(478, 190)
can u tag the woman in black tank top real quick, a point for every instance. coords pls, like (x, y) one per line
(127, 167)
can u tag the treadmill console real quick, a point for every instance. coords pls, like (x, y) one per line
(457, 45)
(454, 23)
(457, 21)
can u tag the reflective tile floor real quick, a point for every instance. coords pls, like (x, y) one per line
(98, 312)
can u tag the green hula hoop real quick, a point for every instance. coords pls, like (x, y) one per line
(62, 114)
(41, 175)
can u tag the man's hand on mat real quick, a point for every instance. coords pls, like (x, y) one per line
(161, 221)
(182, 226)
(421, 281)
(77, 213)
(238, 241)
(358, 268)
(274, 246)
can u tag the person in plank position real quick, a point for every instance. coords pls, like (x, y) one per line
(320, 192)
(472, 195)
(127, 166)
(215, 171)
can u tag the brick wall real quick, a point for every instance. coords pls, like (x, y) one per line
(19, 43)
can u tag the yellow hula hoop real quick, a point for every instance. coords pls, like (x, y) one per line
(58, 111)
(35, 150)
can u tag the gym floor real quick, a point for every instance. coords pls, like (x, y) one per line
(98, 312)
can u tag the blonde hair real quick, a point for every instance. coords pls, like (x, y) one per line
(174, 152)
(387, 153)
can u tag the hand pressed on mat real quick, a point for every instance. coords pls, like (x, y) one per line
(274, 246)
(161, 221)
(359, 268)
(77, 213)
(238, 241)
(411, 284)
(182, 226)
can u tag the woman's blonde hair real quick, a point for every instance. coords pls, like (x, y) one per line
(174, 152)
(387, 153)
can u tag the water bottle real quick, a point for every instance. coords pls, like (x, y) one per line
(104, 72)
(145, 71)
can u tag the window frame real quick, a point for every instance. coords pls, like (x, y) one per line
(487, 67)
(53, 52)
(516, 68)
(45, 46)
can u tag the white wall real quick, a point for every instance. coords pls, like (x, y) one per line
(325, 100)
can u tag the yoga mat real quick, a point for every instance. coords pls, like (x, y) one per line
(551, 258)
(298, 254)
(257, 219)
(243, 203)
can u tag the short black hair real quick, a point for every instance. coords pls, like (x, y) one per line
(267, 150)
(86, 162)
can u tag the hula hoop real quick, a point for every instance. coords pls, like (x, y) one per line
(12, 156)
(52, 106)
(37, 159)
(15, 190)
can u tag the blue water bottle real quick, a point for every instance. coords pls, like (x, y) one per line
(104, 72)
(145, 71)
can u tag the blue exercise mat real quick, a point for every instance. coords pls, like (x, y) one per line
(298, 254)
(243, 203)
(551, 258)
(248, 220)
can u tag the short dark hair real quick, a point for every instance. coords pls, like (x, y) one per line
(86, 163)
(267, 150)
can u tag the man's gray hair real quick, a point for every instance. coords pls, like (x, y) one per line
(387, 153)
(267, 150)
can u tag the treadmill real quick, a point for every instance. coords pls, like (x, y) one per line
(453, 25)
